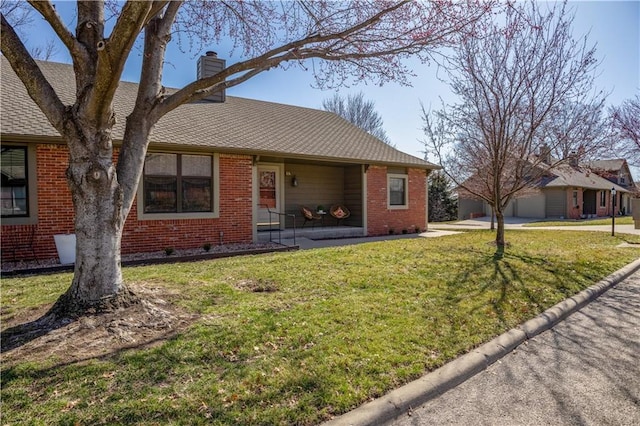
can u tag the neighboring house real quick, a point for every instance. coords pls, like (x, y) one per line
(617, 171)
(212, 169)
(566, 192)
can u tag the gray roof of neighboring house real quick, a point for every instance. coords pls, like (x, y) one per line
(237, 125)
(608, 165)
(565, 175)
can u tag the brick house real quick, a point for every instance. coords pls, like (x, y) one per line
(212, 168)
(568, 191)
(617, 171)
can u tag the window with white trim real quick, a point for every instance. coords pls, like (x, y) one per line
(603, 199)
(178, 183)
(397, 190)
(15, 182)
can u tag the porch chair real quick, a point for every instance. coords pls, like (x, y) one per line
(339, 212)
(309, 216)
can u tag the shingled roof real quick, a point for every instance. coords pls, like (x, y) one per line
(612, 165)
(238, 125)
(566, 175)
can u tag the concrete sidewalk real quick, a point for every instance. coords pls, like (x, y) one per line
(584, 370)
(306, 243)
(517, 223)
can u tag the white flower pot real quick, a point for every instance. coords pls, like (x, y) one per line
(66, 246)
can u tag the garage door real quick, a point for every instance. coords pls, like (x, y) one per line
(556, 203)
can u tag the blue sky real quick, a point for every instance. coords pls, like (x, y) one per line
(614, 26)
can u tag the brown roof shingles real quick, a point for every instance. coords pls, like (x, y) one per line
(237, 125)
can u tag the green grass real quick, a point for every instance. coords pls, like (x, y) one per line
(344, 325)
(624, 220)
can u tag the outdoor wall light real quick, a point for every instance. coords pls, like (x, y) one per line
(294, 181)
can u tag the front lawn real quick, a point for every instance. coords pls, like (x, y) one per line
(299, 337)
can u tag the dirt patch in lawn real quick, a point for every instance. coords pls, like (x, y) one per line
(27, 337)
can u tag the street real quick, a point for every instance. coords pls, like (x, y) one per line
(584, 371)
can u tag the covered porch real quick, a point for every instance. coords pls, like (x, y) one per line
(284, 186)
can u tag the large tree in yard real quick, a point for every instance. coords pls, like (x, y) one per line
(526, 105)
(358, 111)
(348, 41)
(442, 205)
(625, 119)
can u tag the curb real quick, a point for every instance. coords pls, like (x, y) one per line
(399, 401)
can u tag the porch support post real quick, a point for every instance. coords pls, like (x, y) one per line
(426, 201)
(365, 191)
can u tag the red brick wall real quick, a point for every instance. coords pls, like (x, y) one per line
(234, 221)
(380, 219)
(56, 216)
(606, 210)
(55, 208)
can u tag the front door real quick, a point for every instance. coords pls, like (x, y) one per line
(589, 202)
(268, 196)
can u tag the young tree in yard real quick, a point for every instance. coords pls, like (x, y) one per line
(442, 205)
(349, 42)
(626, 124)
(526, 101)
(358, 111)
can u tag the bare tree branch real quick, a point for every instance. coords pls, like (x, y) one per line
(626, 124)
(373, 43)
(49, 13)
(113, 53)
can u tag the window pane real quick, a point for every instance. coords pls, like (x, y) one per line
(161, 164)
(14, 196)
(196, 194)
(160, 194)
(196, 165)
(14, 164)
(396, 191)
(267, 189)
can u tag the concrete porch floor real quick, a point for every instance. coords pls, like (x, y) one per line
(316, 233)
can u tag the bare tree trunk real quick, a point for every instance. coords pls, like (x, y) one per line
(500, 231)
(98, 200)
(493, 216)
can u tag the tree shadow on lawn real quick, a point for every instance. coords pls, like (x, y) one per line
(498, 280)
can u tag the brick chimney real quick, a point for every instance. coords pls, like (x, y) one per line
(545, 154)
(573, 159)
(209, 65)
